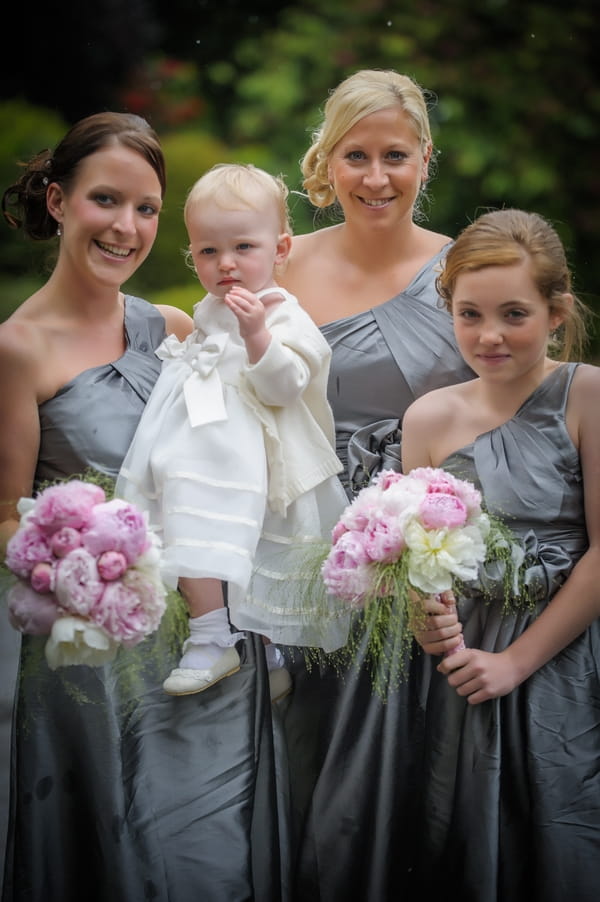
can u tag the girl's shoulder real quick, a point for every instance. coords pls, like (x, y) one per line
(584, 393)
(587, 375)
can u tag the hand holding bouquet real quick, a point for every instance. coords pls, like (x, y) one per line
(403, 537)
(88, 574)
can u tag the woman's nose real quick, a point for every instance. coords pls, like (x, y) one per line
(125, 220)
(376, 175)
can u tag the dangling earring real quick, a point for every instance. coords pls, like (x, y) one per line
(58, 231)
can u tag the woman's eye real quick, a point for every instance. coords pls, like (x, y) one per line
(396, 155)
(148, 210)
(355, 155)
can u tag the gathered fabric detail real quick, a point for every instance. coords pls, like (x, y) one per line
(202, 389)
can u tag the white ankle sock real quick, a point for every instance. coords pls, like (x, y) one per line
(209, 635)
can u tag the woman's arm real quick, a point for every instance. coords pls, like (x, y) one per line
(20, 434)
(176, 321)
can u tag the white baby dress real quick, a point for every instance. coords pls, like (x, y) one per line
(234, 464)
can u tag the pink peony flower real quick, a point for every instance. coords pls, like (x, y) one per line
(349, 551)
(122, 615)
(148, 585)
(347, 569)
(26, 548)
(65, 539)
(111, 565)
(42, 578)
(442, 511)
(67, 504)
(30, 612)
(78, 584)
(350, 584)
(357, 515)
(441, 485)
(117, 526)
(445, 483)
(386, 478)
(384, 540)
(338, 530)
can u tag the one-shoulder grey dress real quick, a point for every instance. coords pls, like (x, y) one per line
(511, 802)
(121, 793)
(354, 759)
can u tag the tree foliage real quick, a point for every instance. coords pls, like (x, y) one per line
(514, 90)
(515, 99)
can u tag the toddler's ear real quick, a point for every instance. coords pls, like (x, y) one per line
(284, 246)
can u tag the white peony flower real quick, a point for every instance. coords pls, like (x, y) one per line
(437, 555)
(77, 641)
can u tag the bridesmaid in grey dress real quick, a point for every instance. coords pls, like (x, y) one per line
(510, 801)
(369, 282)
(119, 793)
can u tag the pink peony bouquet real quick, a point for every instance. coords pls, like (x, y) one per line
(427, 529)
(400, 539)
(88, 574)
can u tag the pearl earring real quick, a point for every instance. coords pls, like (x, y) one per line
(58, 231)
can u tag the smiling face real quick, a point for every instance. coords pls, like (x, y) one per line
(109, 215)
(235, 246)
(378, 166)
(502, 322)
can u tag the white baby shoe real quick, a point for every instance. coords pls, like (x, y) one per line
(187, 681)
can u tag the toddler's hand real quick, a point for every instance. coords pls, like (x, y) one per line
(248, 309)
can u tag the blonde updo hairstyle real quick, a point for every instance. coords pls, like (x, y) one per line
(507, 237)
(366, 91)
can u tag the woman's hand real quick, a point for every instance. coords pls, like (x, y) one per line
(480, 675)
(437, 628)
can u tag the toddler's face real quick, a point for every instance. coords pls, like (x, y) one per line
(234, 247)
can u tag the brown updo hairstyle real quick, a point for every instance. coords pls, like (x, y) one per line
(27, 196)
(507, 237)
(366, 91)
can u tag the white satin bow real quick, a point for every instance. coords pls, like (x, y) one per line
(202, 389)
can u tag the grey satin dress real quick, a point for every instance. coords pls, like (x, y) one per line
(511, 807)
(354, 761)
(121, 794)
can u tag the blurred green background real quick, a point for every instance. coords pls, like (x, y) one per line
(514, 94)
